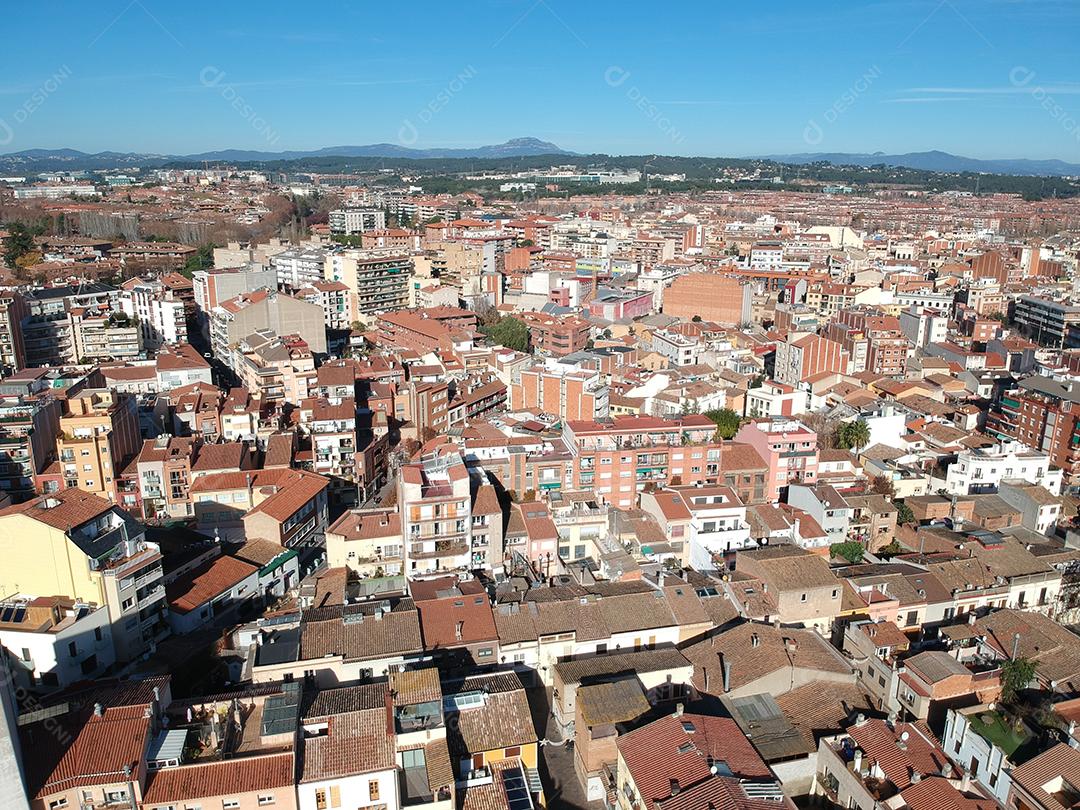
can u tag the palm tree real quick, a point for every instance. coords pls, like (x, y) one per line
(857, 434)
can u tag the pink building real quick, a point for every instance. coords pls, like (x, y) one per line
(788, 447)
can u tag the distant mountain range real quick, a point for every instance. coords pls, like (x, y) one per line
(39, 160)
(32, 161)
(934, 161)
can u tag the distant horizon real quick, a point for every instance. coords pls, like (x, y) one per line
(565, 152)
(977, 78)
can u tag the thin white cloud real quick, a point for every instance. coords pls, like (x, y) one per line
(1005, 90)
(928, 99)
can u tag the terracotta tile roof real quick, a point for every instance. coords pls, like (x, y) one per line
(357, 742)
(415, 686)
(881, 744)
(225, 778)
(456, 620)
(936, 792)
(101, 748)
(752, 660)
(368, 524)
(616, 702)
(207, 581)
(288, 489)
(63, 510)
(823, 708)
(1035, 775)
(681, 748)
(504, 719)
(396, 633)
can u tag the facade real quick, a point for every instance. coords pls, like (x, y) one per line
(377, 282)
(788, 447)
(620, 458)
(983, 469)
(563, 391)
(98, 435)
(350, 221)
(78, 545)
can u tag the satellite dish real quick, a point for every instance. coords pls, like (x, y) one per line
(904, 736)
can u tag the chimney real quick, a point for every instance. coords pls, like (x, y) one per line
(856, 762)
(99, 710)
(754, 640)
(726, 665)
(679, 709)
(458, 630)
(674, 786)
(971, 618)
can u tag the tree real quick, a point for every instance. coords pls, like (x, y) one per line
(904, 515)
(882, 486)
(201, 259)
(849, 550)
(853, 435)
(508, 332)
(19, 242)
(1015, 677)
(726, 420)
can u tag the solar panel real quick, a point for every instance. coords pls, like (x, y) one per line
(6, 615)
(20, 614)
(517, 790)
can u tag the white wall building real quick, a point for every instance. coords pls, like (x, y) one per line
(983, 469)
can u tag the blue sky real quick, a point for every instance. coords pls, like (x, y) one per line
(984, 78)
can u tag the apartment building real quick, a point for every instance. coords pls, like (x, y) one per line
(98, 435)
(236, 318)
(714, 518)
(983, 469)
(333, 297)
(800, 357)
(13, 311)
(377, 282)
(101, 336)
(297, 268)
(211, 288)
(436, 515)
(162, 317)
(788, 447)
(74, 544)
(276, 369)
(554, 335)
(350, 221)
(28, 430)
(287, 507)
(1050, 323)
(564, 391)
(48, 329)
(617, 459)
(1044, 414)
(679, 349)
(57, 641)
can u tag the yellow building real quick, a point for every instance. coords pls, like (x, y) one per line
(71, 543)
(99, 433)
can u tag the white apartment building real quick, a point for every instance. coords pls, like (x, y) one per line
(922, 325)
(717, 524)
(161, 318)
(983, 469)
(298, 267)
(678, 349)
(349, 221)
(56, 641)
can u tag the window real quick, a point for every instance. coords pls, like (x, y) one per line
(802, 598)
(268, 799)
(55, 803)
(229, 804)
(512, 751)
(373, 790)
